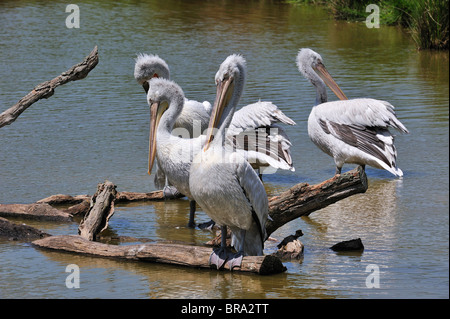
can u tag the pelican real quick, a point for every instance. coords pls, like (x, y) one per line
(174, 154)
(269, 147)
(193, 113)
(351, 131)
(223, 182)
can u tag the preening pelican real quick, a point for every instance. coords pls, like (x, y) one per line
(223, 182)
(193, 112)
(351, 131)
(252, 133)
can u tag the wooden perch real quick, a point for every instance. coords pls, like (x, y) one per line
(303, 199)
(100, 211)
(37, 211)
(43, 209)
(176, 254)
(121, 197)
(46, 89)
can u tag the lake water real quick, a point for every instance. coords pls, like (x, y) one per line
(97, 129)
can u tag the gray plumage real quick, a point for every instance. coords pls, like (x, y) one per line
(223, 182)
(351, 131)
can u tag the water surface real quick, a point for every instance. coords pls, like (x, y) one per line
(97, 129)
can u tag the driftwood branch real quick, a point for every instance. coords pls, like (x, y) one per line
(303, 199)
(100, 211)
(36, 211)
(47, 208)
(160, 252)
(47, 89)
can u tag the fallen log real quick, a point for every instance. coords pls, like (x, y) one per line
(100, 211)
(36, 211)
(47, 207)
(61, 199)
(47, 89)
(303, 199)
(160, 252)
(121, 197)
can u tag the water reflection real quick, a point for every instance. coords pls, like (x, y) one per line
(97, 129)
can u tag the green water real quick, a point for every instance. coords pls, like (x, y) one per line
(97, 129)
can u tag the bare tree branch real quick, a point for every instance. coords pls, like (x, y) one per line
(46, 89)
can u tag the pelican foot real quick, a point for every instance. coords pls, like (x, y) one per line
(218, 257)
(170, 192)
(236, 261)
(208, 225)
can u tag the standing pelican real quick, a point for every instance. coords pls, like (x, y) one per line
(269, 146)
(351, 131)
(174, 154)
(223, 182)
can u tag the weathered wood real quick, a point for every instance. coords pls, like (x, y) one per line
(100, 211)
(61, 199)
(303, 199)
(36, 211)
(126, 197)
(13, 231)
(46, 89)
(159, 252)
(121, 197)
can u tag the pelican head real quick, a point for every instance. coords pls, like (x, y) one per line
(310, 64)
(165, 99)
(148, 67)
(231, 74)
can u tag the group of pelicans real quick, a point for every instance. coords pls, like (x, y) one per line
(217, 172)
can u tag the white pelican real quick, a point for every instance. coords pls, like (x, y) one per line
(252, 133)
(223, 182)
(150, 66)
(351, 131)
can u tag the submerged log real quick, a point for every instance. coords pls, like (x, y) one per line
(160, 252)
(13, 231)
(100, 211)
(47, 89)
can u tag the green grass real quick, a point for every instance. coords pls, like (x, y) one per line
(426, 20)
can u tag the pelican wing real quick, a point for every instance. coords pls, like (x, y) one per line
(364, 124)
(360, 112)
(255, 136)
(256, 195)
(256, 115)
(264, 146)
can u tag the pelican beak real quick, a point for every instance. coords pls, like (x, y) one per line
(326, 77)
(223, 96)
(156, 111)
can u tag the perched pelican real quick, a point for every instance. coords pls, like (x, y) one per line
(174, 154)
(223, 182)
(351, 131)
(252, 132)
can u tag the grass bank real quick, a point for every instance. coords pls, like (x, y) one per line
(426, 20)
